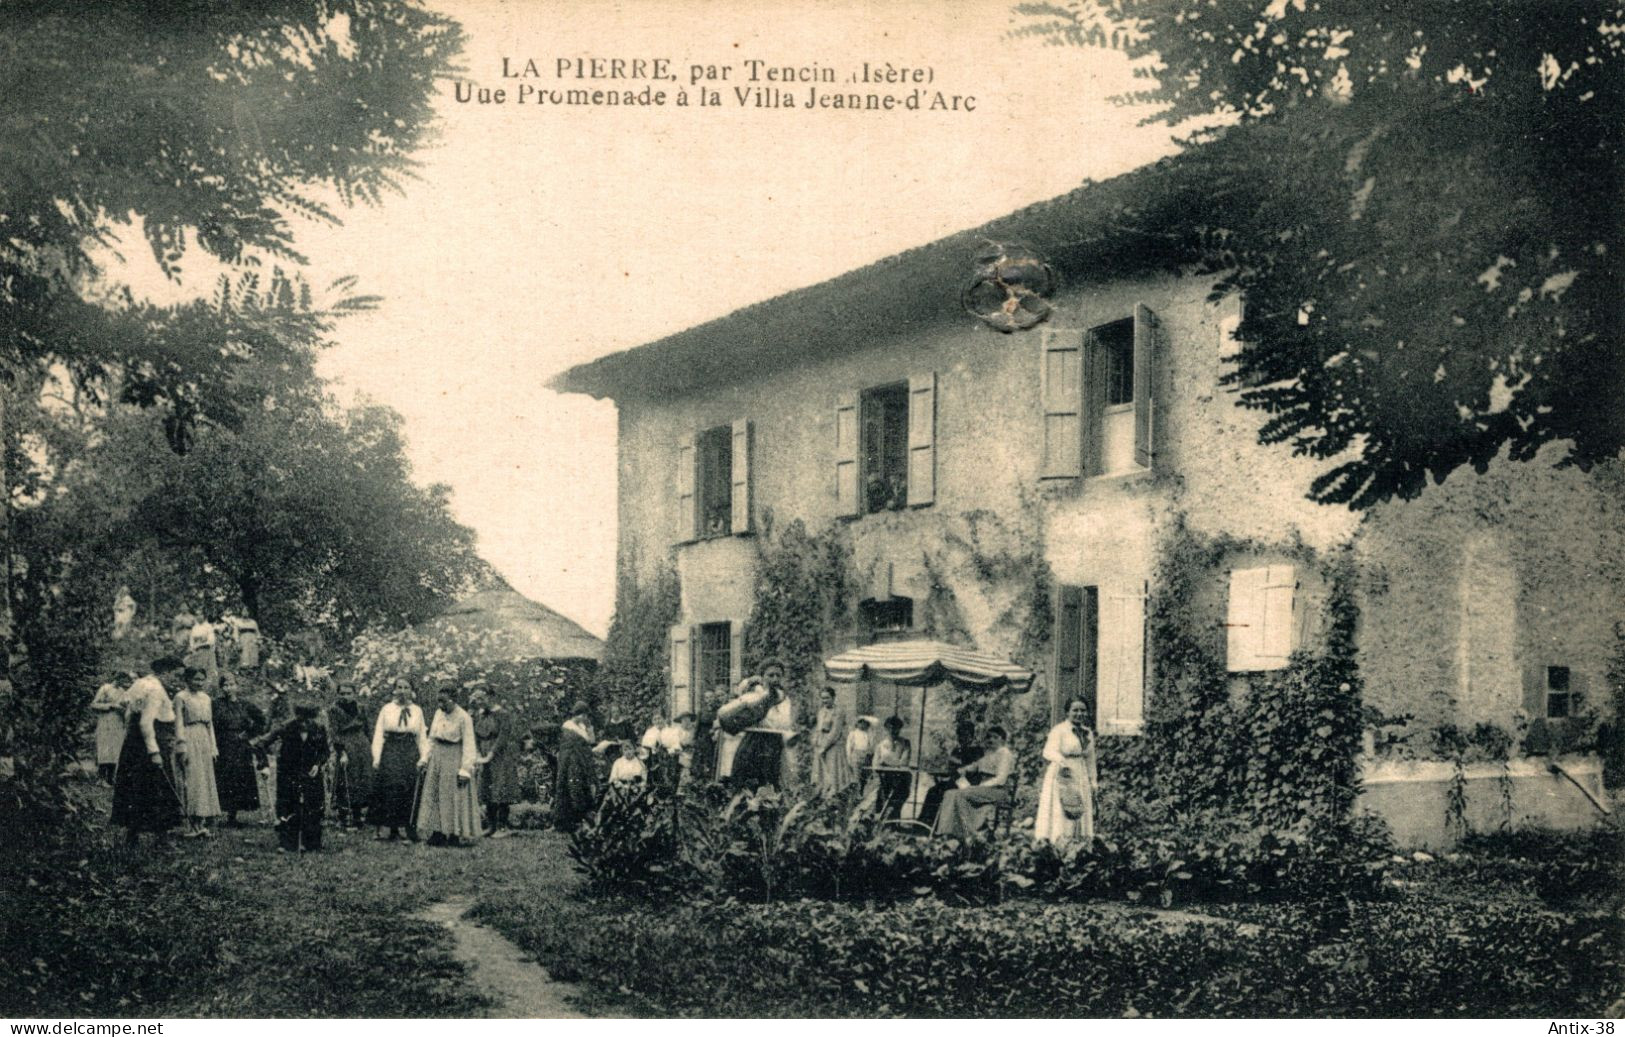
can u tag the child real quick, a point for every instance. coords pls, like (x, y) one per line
(299, 786)
(628, 773)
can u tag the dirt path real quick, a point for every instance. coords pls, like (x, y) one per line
(518, 987)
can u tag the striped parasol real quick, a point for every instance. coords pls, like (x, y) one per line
(926, 663)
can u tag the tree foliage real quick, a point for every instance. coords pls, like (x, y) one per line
(1420, 205)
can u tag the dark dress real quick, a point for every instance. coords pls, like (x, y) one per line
(961, 756)
(145, 794)
(499, 779)
(577, 786)
(299, 796)
(352, 776)
(235, 723)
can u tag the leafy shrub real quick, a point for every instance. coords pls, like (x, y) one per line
(630, 845)
(1558, 866)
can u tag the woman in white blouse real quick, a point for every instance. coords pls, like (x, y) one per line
(449, 807)
(965, 810)
(1066, 800)
(400, 739)
(197, 749)
(145, 795)
(108, 705)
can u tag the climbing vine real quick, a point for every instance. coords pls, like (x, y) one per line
(635, 674)
(806, 592)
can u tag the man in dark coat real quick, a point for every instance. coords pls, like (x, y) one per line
(300, 791)
(576, 788)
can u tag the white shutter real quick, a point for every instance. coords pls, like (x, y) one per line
(922, 439)
(1244, 619)
(687, 504)
(1276, 640)
(1060, 361)
(1145, 369)
(736, 654)
(846, 456)
(740, 500)
(682, 670)
(1122, 660)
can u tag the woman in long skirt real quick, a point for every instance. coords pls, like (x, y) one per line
(400, 740)
(195, 752)
(830, 774)
(499, 765)
(966, 811)
(575, 788)
(1066, 800)
(449, 807)
(352, 772)
(236, 723)
(145, 796)
(108, 705)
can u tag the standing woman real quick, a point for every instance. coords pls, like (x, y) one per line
(399, 741)
(352, 749)
(108, 705)
(499, 767)
(236, 723)
(575, 792)
(830, 773)
(449, 810)
(145, 797)
(195, 752)
(1066, 800)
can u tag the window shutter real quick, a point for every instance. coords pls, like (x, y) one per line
(922, 439)
(1534, 704)
(1145, 360)
(1122, 657)
(846, 455)
(1061, 391)
(682, 670)
(1244, 619)
(687, 502)
(740, 499)
(1094, 405)
(1276, 639)
(1068, 648)
(736, 654)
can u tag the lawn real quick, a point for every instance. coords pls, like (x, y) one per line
(230, 928)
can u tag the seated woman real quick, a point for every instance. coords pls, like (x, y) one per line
(964, 753)
(965, 811)
(896, 752)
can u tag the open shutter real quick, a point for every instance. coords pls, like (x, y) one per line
(1122, 659)
(1068, 649)
(846, 455)
(1534, 704)
(740, 496)
(922, 439)
(1061, 391)
(736, 654)
(1276, 639)
(682, 670)
(687, 504)
(1094, 406)
(1145, 366)
(1244, 619)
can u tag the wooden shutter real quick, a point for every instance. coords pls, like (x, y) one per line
(922, 439)
(687, 499)
(1094, 406)
(740, 499)
(1145, 367)
(1277, 638)
(1122, 660)
(1068, 649)
(1060, 389)
(682, 670)
(1534, 704)
(1244, 619)
(846, 456)
(736, 654)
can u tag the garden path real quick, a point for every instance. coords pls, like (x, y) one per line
(517, 987)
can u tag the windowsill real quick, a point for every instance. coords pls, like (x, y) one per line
(1128, 476)
(709, 537)
(1119, 408)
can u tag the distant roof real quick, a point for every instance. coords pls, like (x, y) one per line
(524, 626)
(1077, 233)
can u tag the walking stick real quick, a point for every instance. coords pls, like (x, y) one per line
(417, 795)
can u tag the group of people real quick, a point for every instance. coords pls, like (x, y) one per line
(178, 757)
(657, 761)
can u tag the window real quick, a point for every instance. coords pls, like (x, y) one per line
(1096, 393)
(887, 617)
(1260, 629)
(1560, 699)
(705, 666)
(715, 660)
(885, 448)
(714, 448)
(1115, 345)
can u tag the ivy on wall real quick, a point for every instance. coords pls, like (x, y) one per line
(806, 594)
(635, 674)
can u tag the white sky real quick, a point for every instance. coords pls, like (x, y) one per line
(538, 238)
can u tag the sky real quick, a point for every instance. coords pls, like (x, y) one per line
(540, 237)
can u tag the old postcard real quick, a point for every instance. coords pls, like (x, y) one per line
(1099, 509)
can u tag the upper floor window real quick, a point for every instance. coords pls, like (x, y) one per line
(714, 482)
(886, 448)
(1096, 393)
(887, 617)
(1559, 693)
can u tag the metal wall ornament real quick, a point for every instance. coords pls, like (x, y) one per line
(1008, 287)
